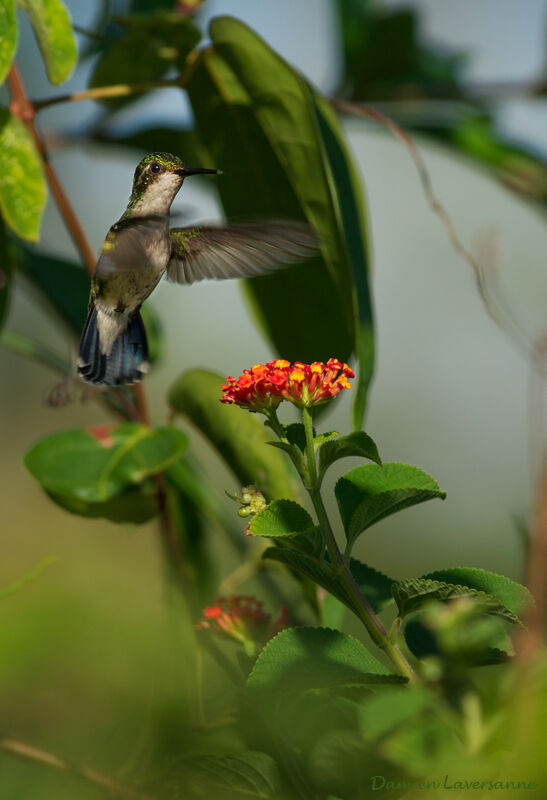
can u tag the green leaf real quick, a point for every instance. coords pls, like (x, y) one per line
(247, 774)
(22, 183)
(369, 493)
(305, 658)
(281, 518)
(350, 212)
(412, 594)
(150, 46)
(8, 36)
(96, 464)
(511, 594)
(238, 435)
(321, 438)
(374, 584)
(53, 30)
(136, 505)
(384, 712)
(256, 115)
(357, 444)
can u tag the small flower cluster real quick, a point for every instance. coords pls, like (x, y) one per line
(242, 617)
(264, 386)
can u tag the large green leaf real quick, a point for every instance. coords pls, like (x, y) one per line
(250, 774)
(280, 519)
(53, 30)
(95, 465)
(8, 36)
(238, 435)
(367, 494)
(350, 211)
(256, 116)
(22, 183)
(150, 46)
(316, 658)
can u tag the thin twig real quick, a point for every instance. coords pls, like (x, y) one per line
(30, 753)
(107, 92)
(501, 317)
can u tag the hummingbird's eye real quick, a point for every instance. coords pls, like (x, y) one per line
(155, 167)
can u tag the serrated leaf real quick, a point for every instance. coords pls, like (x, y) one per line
(53, 30)
(150, 46)
(296, 434)
(247, 774)
(370, 493)
(412, 594)
(319, 440)
(8, 36)
(97, 464)
(332, 612)
(238, 435)
(357, 444)
(511, 594)
(281, 518)
(374, 584)
(306, 658)
(22, 183)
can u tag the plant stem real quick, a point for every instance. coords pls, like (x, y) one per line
(105, 92)
(31, 753)
(376, 630)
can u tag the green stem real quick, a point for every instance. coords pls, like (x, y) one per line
(310, 452)
(376, 630)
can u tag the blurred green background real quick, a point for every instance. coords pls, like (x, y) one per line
(92, 658)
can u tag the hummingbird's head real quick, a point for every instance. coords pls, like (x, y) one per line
(157, 179)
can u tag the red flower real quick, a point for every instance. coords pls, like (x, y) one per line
(264, 386)
(241, 617)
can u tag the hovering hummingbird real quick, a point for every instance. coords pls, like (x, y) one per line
(141, 247)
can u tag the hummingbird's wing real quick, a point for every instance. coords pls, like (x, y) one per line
(126, 242)
(238, 250)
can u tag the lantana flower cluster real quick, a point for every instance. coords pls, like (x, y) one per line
(242, 617)
(264, 386)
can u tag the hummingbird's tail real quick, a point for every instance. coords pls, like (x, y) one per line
(127, 360)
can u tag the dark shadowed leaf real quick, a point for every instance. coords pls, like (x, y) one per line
(238, 435)
(53, 30)
(149, 47)
(367, 494)
(316, 658)
(22, 183)
(357, 444)
(136, 505)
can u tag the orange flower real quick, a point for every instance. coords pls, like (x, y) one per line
(264, 386)
(241, 617)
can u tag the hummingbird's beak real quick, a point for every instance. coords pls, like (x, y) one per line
(185, 171)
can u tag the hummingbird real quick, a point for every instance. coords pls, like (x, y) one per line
(141, 247)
